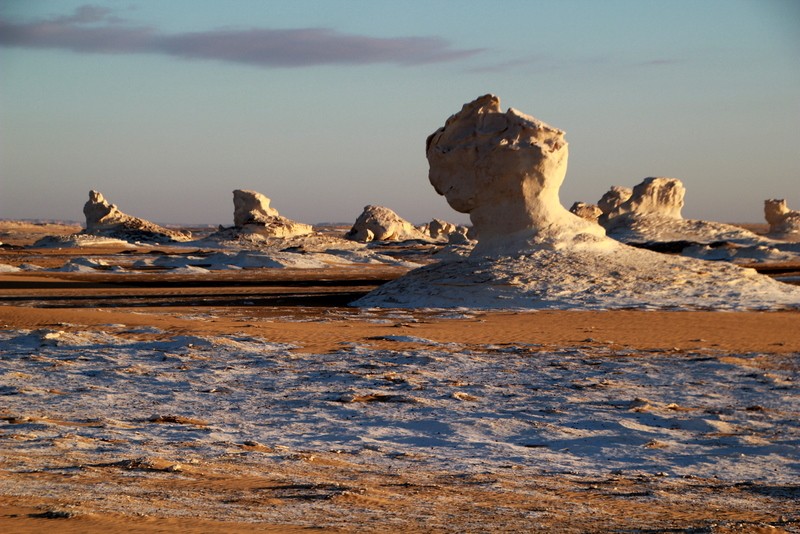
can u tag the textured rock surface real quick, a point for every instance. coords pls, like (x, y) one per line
(505, 169)
(655, 196)
(439, 229)
(782, 221)
(615, 196)
(652, 214)
(105, 219)
(251, 207)
(378, 223)
(590, 212)
(252, 214)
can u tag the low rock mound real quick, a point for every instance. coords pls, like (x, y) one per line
(783, 222)
(105, 219)
(378, 223)
(505, 170)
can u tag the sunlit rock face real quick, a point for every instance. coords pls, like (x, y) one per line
(782, 221)
(251, 207)
(104, 218)
(655, 196)
(379, 223)
(505, 169)
(652, 214)
(612, 199)
(590, 212)
(253, 214)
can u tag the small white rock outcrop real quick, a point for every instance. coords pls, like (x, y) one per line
(252, 214)
(105, 219)
(654, 197)
(590, 212)
(615, 196)
(783, 222)
(379, 223)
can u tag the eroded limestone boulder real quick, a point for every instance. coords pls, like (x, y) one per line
(505, 169)
(590, 212)
(612, 199)
(252, 214)
(105, 219)
(652, 214)
(654, 197)
(379, 223)
(782, 221)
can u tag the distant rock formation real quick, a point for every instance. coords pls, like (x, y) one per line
(783, 222)
(378, 223)
(505, 170)
(252, 214)
(590, 212)
(651, 213)
(615, 196)
(105, 219)
(654, 197)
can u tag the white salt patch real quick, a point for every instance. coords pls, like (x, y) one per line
(587, 411)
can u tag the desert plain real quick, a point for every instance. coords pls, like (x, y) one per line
(258, 400)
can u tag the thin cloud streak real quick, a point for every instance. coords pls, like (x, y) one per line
(94, 30)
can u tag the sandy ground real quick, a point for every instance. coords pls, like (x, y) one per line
(71, 486)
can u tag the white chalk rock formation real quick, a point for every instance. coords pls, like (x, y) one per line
(505, 169)
(654, 197)
(105, 219)
(783, 222)
(590, 212)
(252, 214)
(378, 223)
(652, 214)
(615, 196)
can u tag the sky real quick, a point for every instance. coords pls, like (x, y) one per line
(324, 106)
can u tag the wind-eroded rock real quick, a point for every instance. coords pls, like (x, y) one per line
(783, 222)
(590, 212)
(505, 169)
(252, 214)
(105, 219)
(379, 223)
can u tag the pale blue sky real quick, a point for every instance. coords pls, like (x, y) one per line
(166, 107)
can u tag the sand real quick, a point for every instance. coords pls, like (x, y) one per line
(59, 471)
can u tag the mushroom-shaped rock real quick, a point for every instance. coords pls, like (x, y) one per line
(252, 214)
(105, 219)
(590, 212)
(783, 222)
(379, 223)
(505, 169)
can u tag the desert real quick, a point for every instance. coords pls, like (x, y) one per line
(533, 372)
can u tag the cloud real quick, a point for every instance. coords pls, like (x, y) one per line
(93, 29)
